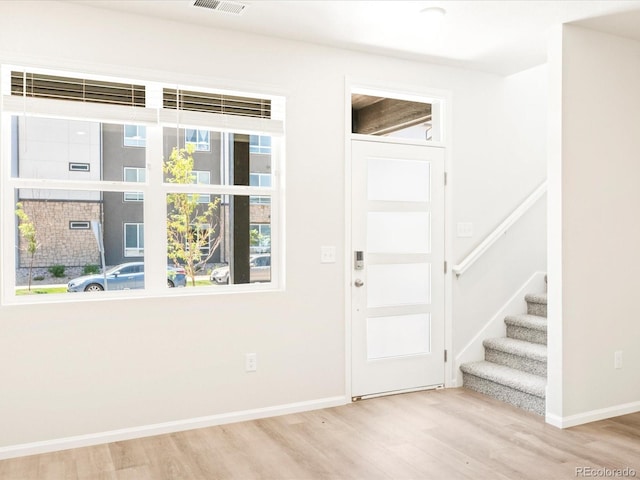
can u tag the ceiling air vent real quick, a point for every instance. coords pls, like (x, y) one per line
(224, 6)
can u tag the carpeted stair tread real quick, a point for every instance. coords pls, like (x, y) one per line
(536, 298)
(533, 322)
(515, 367)
(521, 348)
(536, 304)
(517, 380)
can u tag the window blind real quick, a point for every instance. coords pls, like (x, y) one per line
(76, 89)
(216, 103)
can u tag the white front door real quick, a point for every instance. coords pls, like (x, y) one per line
(397, 280)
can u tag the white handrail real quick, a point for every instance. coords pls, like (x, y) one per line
(477, 252)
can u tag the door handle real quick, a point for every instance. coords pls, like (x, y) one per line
(358, 283)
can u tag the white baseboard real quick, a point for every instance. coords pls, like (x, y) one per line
(553, 420)
(79, 441)
(495, 327)
(592, 416)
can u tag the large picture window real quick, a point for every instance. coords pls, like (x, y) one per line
(216, 179)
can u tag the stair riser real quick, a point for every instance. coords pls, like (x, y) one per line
(515, 361)
(505, 394)
(539, 309)
(526, 334)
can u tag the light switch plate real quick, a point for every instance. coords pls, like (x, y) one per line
(465, 229)
(327, 254)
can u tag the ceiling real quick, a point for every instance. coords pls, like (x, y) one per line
(502, 36)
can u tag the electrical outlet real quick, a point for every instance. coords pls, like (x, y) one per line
(617, 359)
(250, 362)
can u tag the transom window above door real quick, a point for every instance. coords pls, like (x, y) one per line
(379, 114)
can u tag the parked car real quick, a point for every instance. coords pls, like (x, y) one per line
(125, 276)
(259, 270)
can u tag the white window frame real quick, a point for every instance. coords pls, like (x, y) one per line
(260, 248)
(260, 200)
(79, 225)
(203, 139)
(139, 172)
(133, 251)
(202, 177)
(137, 140)
(259, 147)
(79, 167)
(155, 119)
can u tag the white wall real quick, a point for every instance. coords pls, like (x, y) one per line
(70, 369)
(598, 247)
(491, 180)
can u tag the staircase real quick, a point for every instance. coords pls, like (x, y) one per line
(515, 367)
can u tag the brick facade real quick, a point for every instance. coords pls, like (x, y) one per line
(60, 245)
(260, 213)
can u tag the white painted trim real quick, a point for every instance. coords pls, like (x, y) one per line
(79, 441)
(348, 258)
(220, 122)
(98, 112)
(553, 420)
(495, 327)
(500, 230)
(555, 343)
(447, 139)
(396, 140)
(88, 111)
(593, 415)
(348, 246)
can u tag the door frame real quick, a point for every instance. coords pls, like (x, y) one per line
(404, 92)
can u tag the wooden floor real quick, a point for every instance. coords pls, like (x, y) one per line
(443, 434)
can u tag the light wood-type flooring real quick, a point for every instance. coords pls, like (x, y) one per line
(442, 434)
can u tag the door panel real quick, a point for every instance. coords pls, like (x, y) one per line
(392, 285)
(398, 232)
(398, 295)
(389, 337)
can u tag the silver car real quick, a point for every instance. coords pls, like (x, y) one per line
(126, 276)
(259, 270)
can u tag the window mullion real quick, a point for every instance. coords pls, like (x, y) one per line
(155, 214)
(96, 185)
(218, 189)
